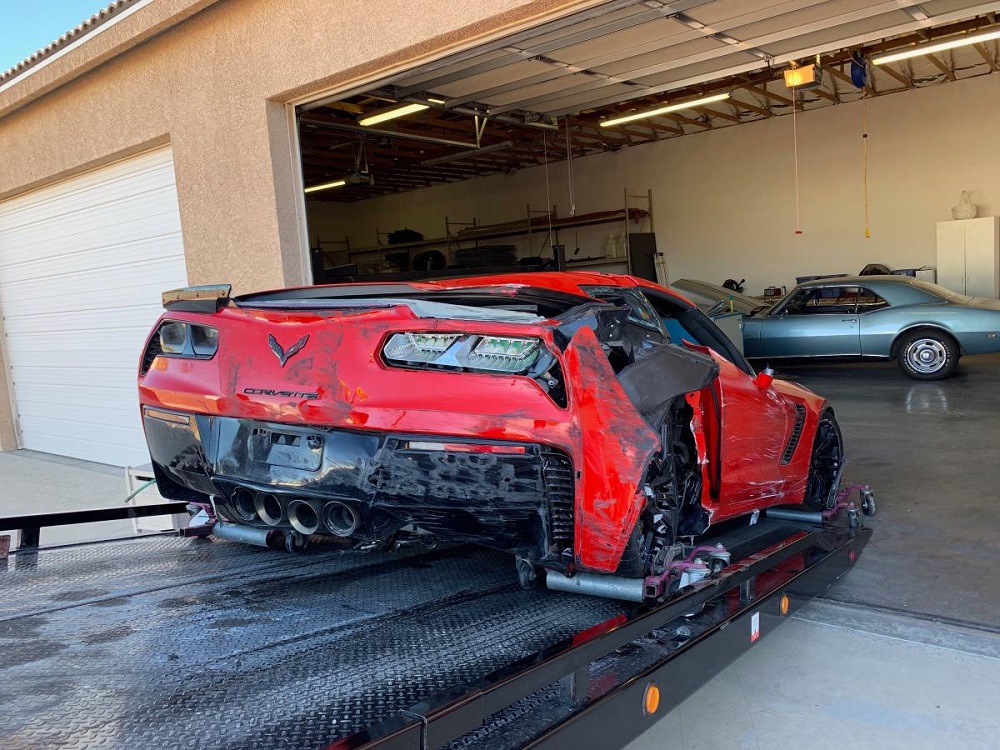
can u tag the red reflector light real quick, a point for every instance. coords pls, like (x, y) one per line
(423, 445)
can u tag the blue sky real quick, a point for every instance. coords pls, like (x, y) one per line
(28, 26)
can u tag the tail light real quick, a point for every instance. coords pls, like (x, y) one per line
(175, 338)
(514, 355)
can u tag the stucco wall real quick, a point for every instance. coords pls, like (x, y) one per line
(214, 86)
(723, 201)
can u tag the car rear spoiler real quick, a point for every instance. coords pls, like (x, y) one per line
(199, 299)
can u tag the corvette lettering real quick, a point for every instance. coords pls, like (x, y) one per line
(280, 394)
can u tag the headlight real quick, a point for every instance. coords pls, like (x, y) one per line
(188, 340)
(455, 351)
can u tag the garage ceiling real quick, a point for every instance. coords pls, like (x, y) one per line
(620, 57)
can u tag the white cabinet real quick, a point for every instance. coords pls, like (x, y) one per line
(968, 256)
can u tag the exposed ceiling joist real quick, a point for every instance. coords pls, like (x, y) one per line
(900, 76)
(840, 75)
(620, 59)
(948, 70)
(989, 57)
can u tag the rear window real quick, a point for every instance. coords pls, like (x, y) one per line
(941, 292)
(639, 310)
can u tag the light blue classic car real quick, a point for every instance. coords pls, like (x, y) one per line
(923, 326)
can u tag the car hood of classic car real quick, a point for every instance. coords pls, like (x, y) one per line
(741, 303)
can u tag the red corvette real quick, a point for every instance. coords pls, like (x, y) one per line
(581, 421)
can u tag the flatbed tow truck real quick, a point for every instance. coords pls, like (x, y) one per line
(163, 641)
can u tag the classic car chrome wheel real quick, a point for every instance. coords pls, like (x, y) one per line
(925, 355)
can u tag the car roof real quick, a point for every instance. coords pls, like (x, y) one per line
(575, 283)
(858, 280)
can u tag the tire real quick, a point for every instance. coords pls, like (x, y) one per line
(927, 354)
(824, 463)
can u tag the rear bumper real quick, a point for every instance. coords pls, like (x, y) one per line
(515, 496)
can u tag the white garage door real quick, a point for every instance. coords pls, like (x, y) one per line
(82, 266)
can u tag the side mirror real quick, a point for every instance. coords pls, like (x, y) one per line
(764, 378)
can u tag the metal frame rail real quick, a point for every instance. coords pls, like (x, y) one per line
(27, 529)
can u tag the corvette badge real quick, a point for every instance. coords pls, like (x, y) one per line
(282, 355)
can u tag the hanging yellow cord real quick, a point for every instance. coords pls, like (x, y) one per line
(795, 157)
(864, 151)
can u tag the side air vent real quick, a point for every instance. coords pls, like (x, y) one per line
(557, 472)
(793, 441)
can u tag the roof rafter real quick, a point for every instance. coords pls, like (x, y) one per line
(949, 71)
(987, 56)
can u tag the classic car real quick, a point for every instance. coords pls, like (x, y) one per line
(924, 327)
(581, 421)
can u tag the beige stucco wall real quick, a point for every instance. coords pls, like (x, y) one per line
(723, 200)
(212, 78)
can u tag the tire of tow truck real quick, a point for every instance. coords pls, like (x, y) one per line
(927, 354)
(824, 462)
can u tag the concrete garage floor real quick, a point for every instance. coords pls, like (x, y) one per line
(904, 652)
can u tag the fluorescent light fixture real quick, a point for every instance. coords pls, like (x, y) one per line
(435, 101)
(325, 186)
(939, 47)
(665, 110)
(391, 114)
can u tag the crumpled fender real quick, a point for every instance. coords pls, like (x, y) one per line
(614, 448)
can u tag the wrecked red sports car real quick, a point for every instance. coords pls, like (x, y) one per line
(581, 421)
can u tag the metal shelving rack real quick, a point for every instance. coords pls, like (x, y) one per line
(536, 223)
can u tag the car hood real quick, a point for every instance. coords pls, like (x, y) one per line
(742, 303)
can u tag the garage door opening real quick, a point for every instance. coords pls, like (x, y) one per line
(515, 155)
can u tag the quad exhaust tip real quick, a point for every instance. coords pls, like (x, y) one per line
(341, 519)
(303, 515)
(244, 504)
(269, 508)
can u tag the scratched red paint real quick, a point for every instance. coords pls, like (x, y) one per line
(614, 448)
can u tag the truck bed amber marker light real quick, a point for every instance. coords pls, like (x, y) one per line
(651, 699)
(784, 604)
